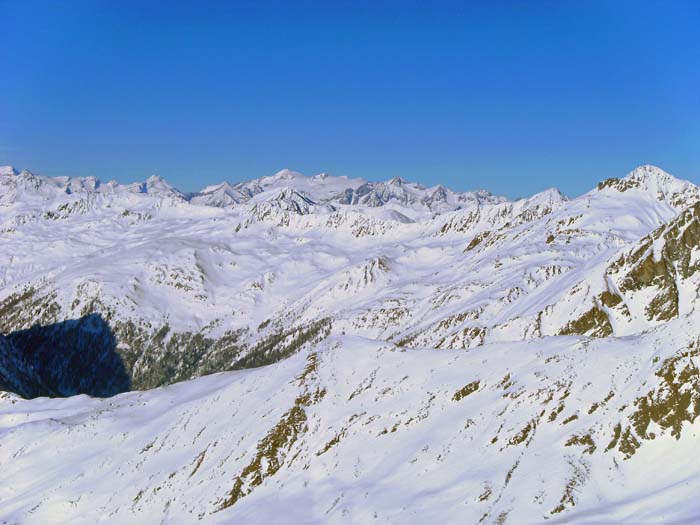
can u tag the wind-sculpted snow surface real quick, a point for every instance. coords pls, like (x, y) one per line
(434, 356)
(359, 431)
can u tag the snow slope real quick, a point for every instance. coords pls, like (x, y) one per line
(433, 355)
(361, 431)
(161, 269)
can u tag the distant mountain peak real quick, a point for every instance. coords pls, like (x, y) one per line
(155, 185)
(656, 182)
(8, 171)
(291, 193)
(286, 174)
(396, 181)
(221, 186)
(647, 172)
(550, 194)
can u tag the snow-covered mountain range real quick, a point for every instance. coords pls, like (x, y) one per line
(433, 355)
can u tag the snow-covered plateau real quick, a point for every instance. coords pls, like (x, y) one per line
(322, 349)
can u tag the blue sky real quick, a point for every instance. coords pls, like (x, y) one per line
(513, 96)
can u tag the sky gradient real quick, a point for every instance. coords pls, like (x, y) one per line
(514, 97)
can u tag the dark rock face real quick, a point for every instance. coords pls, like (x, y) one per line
(664, 270)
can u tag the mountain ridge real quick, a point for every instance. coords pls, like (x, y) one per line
(492, 332)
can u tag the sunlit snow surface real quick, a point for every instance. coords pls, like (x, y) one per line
(480, 414)
(405, 450)
(148, 254)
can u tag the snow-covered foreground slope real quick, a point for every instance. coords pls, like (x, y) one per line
(561, 429)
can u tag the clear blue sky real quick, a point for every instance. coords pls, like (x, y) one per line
(511, 96)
